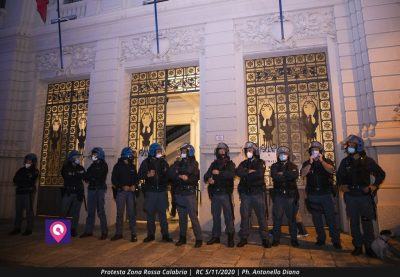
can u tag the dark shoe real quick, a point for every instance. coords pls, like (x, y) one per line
(181, 241)
(266, 243)
(231, 241)
(357, 251)
(166, 238)
(85, 235)
(213, 240)
(370, 253)
(302, 232)
(337, 245)
(149, 238)
(74, 233)
(27, 233)
(275, 243)
(133, 238)
(116, 237)
(14, 232)
(320, 243)
(294, 243)
(242, 243)
(198, 244)
(103, 237)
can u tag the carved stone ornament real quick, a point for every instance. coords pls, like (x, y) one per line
(172, 42)
(74, 57)
(265, 30)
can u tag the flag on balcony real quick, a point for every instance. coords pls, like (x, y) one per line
(42, 8)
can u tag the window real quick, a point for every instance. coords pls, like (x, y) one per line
(71, 1)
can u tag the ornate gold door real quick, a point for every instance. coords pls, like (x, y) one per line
(148, 100)
(288, 103)
(64, 130)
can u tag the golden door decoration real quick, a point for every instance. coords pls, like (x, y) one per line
(148, 102)
(288, 103)
(64, 127)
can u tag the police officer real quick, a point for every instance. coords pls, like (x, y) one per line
(220, 176)
(73, 191)
(124, 179)
(284, 174)
(95, 178)
(252, 194)
(354, 179)
(185, 175)
(319, 171)
(154, 172)
(24, 180)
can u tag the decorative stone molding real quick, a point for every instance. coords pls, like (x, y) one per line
(74, 57)
(305, 24)
(172, 42)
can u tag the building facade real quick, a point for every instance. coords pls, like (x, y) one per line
(222, 68)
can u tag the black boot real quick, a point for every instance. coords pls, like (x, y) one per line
(337, 245)
(181, 241)
(116, 237)
(370, 253)
(133, 238)
(103, 236)
(301, 230)
(167, 238)
(198, 244)
(320, 243)
(74, 233)
(149, 238)
(231, 241)
(213, 240)
(27, 232)
(357, 251)
(15, 231)
(266, 243)
(85, 235)
(242, 243)
(294, 243)
(275, 243)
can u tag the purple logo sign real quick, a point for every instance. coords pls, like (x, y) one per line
(58, 231)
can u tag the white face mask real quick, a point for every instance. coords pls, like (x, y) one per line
(249, 155)
(158, 155)
(77, 161)
(94, 158)
(315, 153)
(283, 157)
(27, 165)
(183, 155)
(351, 150)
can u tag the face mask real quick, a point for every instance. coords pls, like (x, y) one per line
(27, 165)
(283, 157)
(351, 150)
(315, 153)
(158, 155)
(183, 155)
(221, 156)
(77, 161)
(249, 155)
(94, 158)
